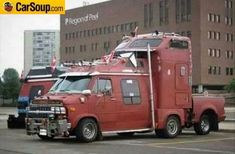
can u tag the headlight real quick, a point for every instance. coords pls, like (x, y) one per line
(62, 110)
(58, 110)
(53, 109)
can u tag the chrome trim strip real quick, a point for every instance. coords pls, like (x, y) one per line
(126, 131)
(37, 80)
(38, 111)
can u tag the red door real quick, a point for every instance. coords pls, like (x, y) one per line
(105, 103)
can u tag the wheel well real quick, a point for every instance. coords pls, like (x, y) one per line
(177, 116)
(213, 118)
(89, 118)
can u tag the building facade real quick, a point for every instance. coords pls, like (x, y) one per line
(91, 31)
(40, 46)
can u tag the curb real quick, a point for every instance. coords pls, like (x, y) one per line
(229, 120)
(226, 130)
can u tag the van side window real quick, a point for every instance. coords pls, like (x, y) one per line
(180, 44)
(130, 91)
(103, 86)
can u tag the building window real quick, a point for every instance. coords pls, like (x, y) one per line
(118, 28)
(214, 17)
(130, 91)
(100, 31)
(229, 37)
(105, 29)
(84, 33)
(150, 14)
(84, 47)
(209, 70)
(81, 48)
(76, 34)
(96, 46)
(218, 52)
(210, 52)
(229, 71)
(183, 10)
(66, 36)
(164, 12)
(122, 27)
(214, 70)
(88, 33)
(177, 10)
(145, 15)
(213, 35)
(66, 50)
(109, 29)
(189, 10)
(229, 54)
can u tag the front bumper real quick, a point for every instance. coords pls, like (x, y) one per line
(47, 127)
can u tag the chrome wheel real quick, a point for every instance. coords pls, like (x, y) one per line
(87, 130)
(203, 127)
(172, 126)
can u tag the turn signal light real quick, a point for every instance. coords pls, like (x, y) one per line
(72, 109)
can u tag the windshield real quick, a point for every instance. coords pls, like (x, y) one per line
(144, 42)
(71, 84)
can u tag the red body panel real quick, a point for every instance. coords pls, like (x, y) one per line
(204, 103)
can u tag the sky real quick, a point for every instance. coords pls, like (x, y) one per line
(12, 33)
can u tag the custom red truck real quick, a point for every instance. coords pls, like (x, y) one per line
(38, 81)
(144, 85)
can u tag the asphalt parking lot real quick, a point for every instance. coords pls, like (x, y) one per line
(15, 141)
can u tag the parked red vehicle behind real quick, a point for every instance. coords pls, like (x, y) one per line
(144, 85)
(37, 82)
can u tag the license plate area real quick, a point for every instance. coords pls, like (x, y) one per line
(43, 132)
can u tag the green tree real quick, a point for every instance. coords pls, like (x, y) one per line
(231, 86)
(11, 84)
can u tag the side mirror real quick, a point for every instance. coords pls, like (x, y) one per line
(107, 91)
(86, 92)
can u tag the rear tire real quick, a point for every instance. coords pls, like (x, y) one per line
(87, 130)
(203, 127)
(172, 128)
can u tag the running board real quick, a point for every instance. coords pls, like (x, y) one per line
(127, 131)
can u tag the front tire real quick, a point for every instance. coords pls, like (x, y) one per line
(203, 127)
(87, 130)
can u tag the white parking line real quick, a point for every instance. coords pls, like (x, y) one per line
(196, 149)
(166, 145)
(187, 141)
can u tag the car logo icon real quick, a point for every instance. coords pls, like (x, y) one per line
(8, 6)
